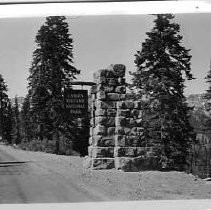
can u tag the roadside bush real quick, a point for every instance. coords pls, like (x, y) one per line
(49, 146)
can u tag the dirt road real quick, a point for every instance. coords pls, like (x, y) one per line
(27, 177)
(38, 177)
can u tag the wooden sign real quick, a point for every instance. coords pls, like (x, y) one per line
(76, 102)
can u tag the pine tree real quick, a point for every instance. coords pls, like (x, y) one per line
(51, 71)
(8, 123)
(16, 123)
(161, 64)
(207, 97)
(25, 116)
(4, 111)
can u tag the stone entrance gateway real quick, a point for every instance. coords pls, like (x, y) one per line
(116, 132)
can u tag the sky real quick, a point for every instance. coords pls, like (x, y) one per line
(98, 42)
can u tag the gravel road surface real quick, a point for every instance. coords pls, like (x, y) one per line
(31, 177)
(38, 177)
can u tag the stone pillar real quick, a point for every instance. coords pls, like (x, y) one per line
(116, 132)
(128, 135)
(110, 88)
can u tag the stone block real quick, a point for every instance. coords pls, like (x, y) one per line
(130, 96)
(93, 89)
(119, 70)
(139, 122)
(132, 141)
(110, 122)
(107, 142)
(111, 131)
(123, 112)
(120, 89)
(113, 96)
(120, 105)
(100, 104)
(121, 81)
(140, 131)
(100, 112)
(100, 80)
(129, 104)
(127, 131)
(111, 72)
(96, 138)
(141, 151)
(99, 130)
(111, 112)
(137, 104)
(101, 152)
(125, 151)
(134, 113)
(142, 138)
(112, 81)
(109, 89)
(134, 131)
(100, 120)
(93, 97)
(120, 140)
(120, 121)
(91, 131)
(105, 88)
(126, 164)
(147, 163)
(122, 97)
(102, 163)
(152, 151)
(100, 141)
(105, 104)
(119, 130)
(140, 114)
(92, 122)
(90, 140)
(131, 122)
(100, 87)
(101, 95)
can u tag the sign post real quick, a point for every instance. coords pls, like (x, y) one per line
(76, 110)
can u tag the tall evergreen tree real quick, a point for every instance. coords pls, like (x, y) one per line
(161, 64)
(16, 123)
(27, 131)
(4, 110)
(51, 71)
(207, 97)
(8, 123)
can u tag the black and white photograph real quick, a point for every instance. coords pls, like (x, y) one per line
(102, 108)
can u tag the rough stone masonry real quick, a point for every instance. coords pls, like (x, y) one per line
(116, 132)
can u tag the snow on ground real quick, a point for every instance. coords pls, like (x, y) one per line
(118, 185)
